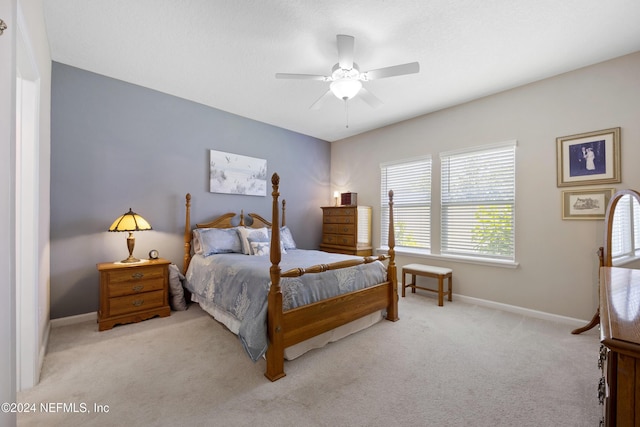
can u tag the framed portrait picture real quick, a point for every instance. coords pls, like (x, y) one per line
(589, 158)
(585, 204)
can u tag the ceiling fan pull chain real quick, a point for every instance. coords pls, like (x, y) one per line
(346, 112)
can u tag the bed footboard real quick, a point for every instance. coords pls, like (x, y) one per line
(296, 325)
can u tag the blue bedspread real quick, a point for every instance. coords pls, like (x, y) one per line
(239, 285)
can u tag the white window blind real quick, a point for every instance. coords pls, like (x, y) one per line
(625, 238)
(411, 184)
(478, 202)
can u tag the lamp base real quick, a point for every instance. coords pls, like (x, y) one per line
(131, 242)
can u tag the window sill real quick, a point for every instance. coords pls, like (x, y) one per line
(422, 253)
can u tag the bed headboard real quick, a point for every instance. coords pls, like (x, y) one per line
(223, 221)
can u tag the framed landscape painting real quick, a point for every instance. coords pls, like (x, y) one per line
(589, 158)
(236, 174)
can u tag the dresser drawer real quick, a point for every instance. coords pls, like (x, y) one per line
(339, 219)
(136, 274)
(339, 229)
(339, 211)
(137, 302)
(338, 239)
(134, 287)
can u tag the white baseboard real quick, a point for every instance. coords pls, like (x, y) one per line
(72, 320)
(93, 316)
(521, 310)
(43, 349)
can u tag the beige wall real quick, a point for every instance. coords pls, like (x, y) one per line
(557, 270)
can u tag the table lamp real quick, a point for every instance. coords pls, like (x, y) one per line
(130, 222)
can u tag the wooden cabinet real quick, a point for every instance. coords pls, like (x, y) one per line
(133, 292)
(619, 388)
(347, 230)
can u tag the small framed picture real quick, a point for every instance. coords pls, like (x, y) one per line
(589, 158)
(585, 204)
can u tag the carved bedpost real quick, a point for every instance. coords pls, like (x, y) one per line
(392, 274)
(284, 212)
(275, 351)
(187, 235)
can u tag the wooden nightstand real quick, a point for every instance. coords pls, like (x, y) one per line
(133, 292)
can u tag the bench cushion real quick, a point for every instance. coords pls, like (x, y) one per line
(427, 269)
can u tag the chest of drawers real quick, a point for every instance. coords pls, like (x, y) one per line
(133, 292)
(347, 230)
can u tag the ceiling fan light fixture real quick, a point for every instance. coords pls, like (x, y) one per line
(345, 88)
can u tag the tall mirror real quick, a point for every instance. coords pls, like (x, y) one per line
(621, 238)
(622, 233)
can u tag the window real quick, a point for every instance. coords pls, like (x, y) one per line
(478, 202)
(625, 236)
(410, 181)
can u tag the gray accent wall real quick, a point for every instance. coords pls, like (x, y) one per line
(116, 146)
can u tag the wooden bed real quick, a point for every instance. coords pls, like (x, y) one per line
(286, 328)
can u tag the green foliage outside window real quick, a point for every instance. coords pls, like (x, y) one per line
(402, 237)
(493, 233)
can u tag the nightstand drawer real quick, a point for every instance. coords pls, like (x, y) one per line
(339, 229)
(137, 302)
(134, 287)
(134, 274)
(338, 239)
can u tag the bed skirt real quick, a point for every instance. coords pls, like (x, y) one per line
(299, 349)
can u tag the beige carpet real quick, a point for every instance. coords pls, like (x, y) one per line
(457, 365)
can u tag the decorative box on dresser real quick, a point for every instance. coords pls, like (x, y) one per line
(619, 388)
(346, 230)
(133, 292)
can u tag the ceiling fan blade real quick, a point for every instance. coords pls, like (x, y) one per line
(369, 98)
(300, 76)
(320, 101)
(345, 51)
(395, 70)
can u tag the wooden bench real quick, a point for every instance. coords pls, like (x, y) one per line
(439, 273)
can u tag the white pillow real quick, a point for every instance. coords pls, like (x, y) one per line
(260, 248)
(264, 248)
(245, 233)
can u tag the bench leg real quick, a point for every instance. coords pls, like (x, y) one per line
(440, 290)
(450, 288)
(403, 283)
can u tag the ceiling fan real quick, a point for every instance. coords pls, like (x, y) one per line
(346, 78)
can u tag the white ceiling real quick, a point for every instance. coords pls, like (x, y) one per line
(225, 53)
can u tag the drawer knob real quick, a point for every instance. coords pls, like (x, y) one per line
(137, 288)
(137, 275)
(138, 302)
